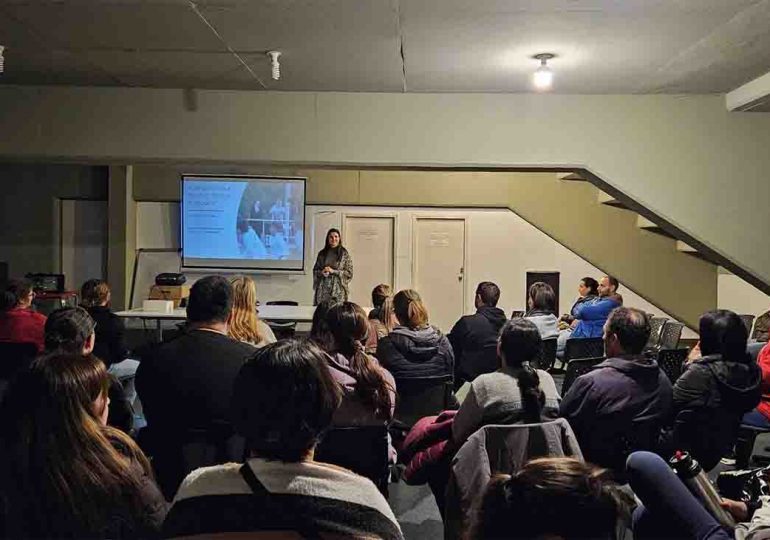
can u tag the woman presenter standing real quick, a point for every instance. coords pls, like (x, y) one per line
(332, 271)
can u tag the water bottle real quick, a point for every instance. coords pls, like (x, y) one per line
(691, 473)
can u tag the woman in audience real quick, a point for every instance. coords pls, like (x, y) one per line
(381, 326)
(541, 302)
(244, 324)
(284, 398)
(379, 294)
(517, 393)
(715, 391)
(332, 271)
(760, 417)
(19, 323)
(71, 331)
(550, 498)
(414, 348)
(319, 328)
(63, 472)
(368, 390)
(588, 289)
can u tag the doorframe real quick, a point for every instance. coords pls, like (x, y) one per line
(421, 216)
(378, 214)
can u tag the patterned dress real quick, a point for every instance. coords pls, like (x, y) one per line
(333, 287)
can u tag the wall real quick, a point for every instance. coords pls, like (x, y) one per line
(29, 212)
(740, 297)
(526, 249)
(659, 150)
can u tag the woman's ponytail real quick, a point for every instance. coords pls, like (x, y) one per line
(520, 344)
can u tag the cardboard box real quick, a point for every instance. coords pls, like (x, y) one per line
(175, 293)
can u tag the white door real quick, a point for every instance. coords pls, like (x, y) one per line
(83, 241)
(371, 242)
(439, 268)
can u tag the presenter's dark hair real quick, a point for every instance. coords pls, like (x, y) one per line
(211, 300)
(592, 284)
(520, 345)
(632, 328)
(488, 292)
(328, 234)
(283, 399)
(15, 291)
(723, 332)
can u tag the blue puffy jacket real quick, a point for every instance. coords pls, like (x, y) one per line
(591, 316)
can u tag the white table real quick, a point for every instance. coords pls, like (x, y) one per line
(266, 313)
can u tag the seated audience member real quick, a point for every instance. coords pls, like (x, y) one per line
(380, 293)
(186, 383)
(474, 337)
(588, 289)
(244, 324)
(368, 390)
(760, 417)
(550, 498)
(63, 472)
(670, 510)
(590, 315)
(382, 325)
(622, 404)
(71, 330)
(19, 323)
(517, 393)
(283, 400)
(541, 302)
(716, 390)
(414, 348)
(761, 327)
(319, 328)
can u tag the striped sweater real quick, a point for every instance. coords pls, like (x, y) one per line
(304, 498)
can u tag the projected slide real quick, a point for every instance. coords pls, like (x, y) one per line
(239, 222)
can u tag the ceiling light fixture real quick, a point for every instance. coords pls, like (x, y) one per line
(543, 77)
(2, 60)
(274, 55)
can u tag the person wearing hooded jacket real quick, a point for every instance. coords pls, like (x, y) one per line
(474, 337)
(716, 390)
(414, 348)
(621, 405)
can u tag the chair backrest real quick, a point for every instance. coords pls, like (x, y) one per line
(547, 356)
(423, 396)
(282, 303)
(672, 332)
(656, 329)
(671, 361)
(576, 368)
(286, 329)
(14, 357)
(748, 322)
(583, 348)
(361, 449)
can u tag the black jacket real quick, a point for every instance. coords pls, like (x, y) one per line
(110, 345)
(410, 353)
(710, 398)
(474, 342)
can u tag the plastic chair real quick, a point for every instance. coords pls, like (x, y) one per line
(671, 361)
(656, 330)
(744, 444)
(576, 368)
(361, 449)
(583, 348)
(672, 332)
(748, 322)
(283, 330)
(423, 396)
(547, 357)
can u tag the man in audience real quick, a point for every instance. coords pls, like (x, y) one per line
(474, 337)
(186, 383)
(621, 405)
(19, 323)
(591, 316)
(761, 327)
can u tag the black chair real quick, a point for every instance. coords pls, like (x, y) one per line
(547, 356)
(283, 330)
(576, 368)
(423, 396)
(583, 348)
(14, 357)
(361, 449)
(671, 361)
(744, 444)
(672, 332)
(656, 330)
(748, 322)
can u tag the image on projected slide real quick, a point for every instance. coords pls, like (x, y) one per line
(243, 222)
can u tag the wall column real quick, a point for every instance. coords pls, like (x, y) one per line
(122, 234)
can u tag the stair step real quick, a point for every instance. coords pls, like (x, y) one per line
(609, 200)
(571, 176)
(647, 225)
(685, 248)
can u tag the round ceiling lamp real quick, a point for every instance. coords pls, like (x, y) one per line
(543, 76)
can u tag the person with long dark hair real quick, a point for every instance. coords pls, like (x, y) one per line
(332, 271)
(63, 472)
(716, 390)
(19, 323)
(517, 393)
(368, 390)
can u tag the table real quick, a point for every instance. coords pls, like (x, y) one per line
(266, 313)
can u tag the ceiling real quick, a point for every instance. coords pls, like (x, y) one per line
(603, 46)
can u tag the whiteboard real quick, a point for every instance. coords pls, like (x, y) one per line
(149, 263)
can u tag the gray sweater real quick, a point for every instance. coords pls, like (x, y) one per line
(494, 398)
